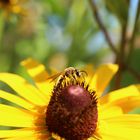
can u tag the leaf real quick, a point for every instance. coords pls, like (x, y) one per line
(77, 11)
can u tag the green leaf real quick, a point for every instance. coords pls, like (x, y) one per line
(77, 11)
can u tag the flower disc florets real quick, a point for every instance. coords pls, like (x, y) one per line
(5, 1)
(72, 111)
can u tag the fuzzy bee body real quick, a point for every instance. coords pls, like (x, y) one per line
(69, 72)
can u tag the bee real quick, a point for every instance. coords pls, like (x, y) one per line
(69, 72)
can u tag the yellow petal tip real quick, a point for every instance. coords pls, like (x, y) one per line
(29, 63)
(113, 67)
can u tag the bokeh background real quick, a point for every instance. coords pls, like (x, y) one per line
(62, 33)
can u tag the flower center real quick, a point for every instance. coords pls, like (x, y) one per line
(75, 97)
(72, 111)
(5, 1)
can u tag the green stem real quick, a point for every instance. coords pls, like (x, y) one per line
(120, 58)
(102, 27)
(132, 40)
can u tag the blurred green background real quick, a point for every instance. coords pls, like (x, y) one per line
(62, 33)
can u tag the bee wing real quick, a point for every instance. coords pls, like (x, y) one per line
(53, 77)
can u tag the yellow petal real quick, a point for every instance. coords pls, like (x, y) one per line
(15, 133)
(108, 137)
(15, 99)
(23, 88)
(129, 120)
(25, 134)
(35, 69)
(11, 116)
(93, 138)
(119, 130)
(22, 138)
(38, 73)
(90, 72)
(35, 136)
(127, 98)
(102, 77)
(89, 69)
(107, 112)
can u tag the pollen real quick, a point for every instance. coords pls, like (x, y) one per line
(72, 111)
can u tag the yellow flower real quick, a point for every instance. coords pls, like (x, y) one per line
(68, 106)
(12, 6)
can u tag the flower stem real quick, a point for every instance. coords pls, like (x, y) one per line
(132, 40)
(120, 54)
(101, 25)
(120, 58)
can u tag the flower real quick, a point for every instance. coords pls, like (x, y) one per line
(12, 6)
(71, 106)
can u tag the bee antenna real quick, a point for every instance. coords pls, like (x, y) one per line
(84, 72)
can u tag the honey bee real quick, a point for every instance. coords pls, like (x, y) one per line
(69, 72)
